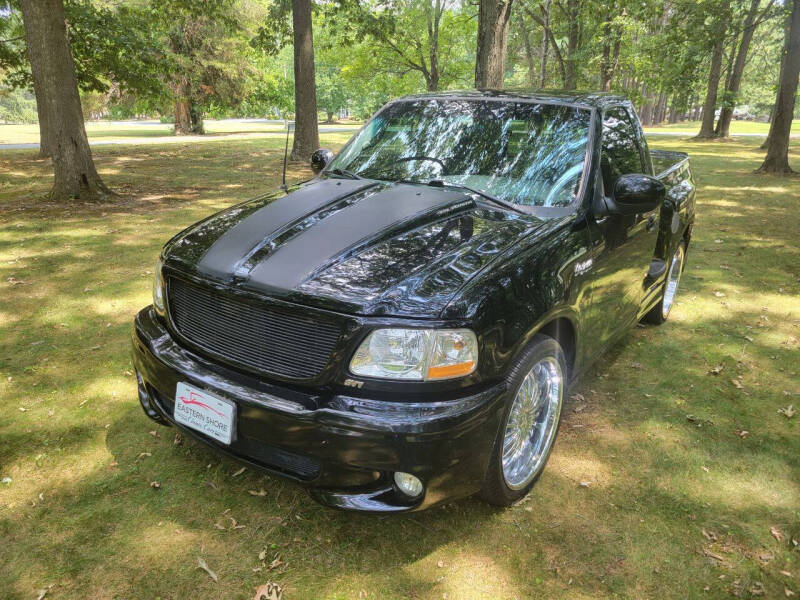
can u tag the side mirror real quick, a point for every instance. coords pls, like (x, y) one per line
(636, 193)
(320, 159)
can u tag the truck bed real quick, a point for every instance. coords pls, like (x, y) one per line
(667, 163)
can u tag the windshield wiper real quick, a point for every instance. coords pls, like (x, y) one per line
(344, 173)
(486, 195)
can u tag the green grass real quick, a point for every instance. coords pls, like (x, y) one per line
(692, 127)
(654, 433)
(141, 132)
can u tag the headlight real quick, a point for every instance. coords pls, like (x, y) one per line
(158, 290)
(416, 354)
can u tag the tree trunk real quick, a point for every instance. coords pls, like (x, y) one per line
(490, 61)
(432, 80)
(45, 134)
(188, 119)
(784, 52)
(545, 47)
(714, 74)
(573, 43)
(57, 98)
(306, 131)
(526, 38)
(777, 159)
(610, 56)
(735, 80)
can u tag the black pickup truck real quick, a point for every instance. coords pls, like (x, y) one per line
(403, 328)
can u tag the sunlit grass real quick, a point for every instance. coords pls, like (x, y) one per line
(140, 131)
(651, 455)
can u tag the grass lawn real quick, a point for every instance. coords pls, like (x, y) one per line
(141, 131)
(667, 480)
(692, 127)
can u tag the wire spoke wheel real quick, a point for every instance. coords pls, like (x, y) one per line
(532, 423)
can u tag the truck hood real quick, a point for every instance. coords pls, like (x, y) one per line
(355, 246)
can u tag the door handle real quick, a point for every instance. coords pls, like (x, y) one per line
(651, 222)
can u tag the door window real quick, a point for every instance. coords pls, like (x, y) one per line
(620, 150)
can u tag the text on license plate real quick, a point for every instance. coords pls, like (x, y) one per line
(204, 412)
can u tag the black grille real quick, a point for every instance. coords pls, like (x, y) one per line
(250, 334)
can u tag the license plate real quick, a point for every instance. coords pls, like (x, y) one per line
(204, 412)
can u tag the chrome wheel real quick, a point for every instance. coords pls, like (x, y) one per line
(673, 278)
(532, 423)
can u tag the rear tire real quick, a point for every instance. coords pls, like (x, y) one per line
(660, 312)
(537, 384)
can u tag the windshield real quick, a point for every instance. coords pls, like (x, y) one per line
(525, 153)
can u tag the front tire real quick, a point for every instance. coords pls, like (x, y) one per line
(530, 422)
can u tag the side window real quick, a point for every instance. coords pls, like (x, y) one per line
(620, 151)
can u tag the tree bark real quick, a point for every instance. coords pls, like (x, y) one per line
(57, 98)
(306, 132)
(735, 80)
(573, 43)
(777, 159)
(546, 27)
(714, 74)
(526, 38)
(610, 56)
(490, 62)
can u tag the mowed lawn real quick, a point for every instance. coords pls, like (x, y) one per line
(674, 474)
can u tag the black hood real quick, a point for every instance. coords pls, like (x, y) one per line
(355, 246)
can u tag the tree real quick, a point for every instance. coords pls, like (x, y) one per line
(752, 20)
(306, 133)
(59, 106)
(777, 159)
(490, 62)
(715, 71)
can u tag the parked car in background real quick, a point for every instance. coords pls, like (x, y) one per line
(402, 329)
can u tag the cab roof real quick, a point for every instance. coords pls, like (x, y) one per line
(598, 100)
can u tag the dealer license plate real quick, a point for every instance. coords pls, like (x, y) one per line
(204, 412)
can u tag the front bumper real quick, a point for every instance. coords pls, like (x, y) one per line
(344, 449)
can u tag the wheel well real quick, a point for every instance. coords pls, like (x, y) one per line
(563, 331)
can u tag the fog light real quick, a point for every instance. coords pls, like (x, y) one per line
(408, 484)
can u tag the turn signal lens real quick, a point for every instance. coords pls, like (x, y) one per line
(158, 290)
(416, 354)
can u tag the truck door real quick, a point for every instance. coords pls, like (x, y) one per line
(622, 246)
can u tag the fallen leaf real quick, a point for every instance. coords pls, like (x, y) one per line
(786, 574)
(716, 370)
(710, 535)
(710, 554)
(201, 564)
(178, 439)
(154, 433)
(143, 455)
(43, 592)
(239, 472)
(788, 593)
(440, 564)
(261, 492)
(277, 562)
(22, 409)
(742, 433)
(585, 484)
(776, 533)
(269, 591)
(738, 383)
(788, 412)
(155, 485)
(719, 294)
(262, 556)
